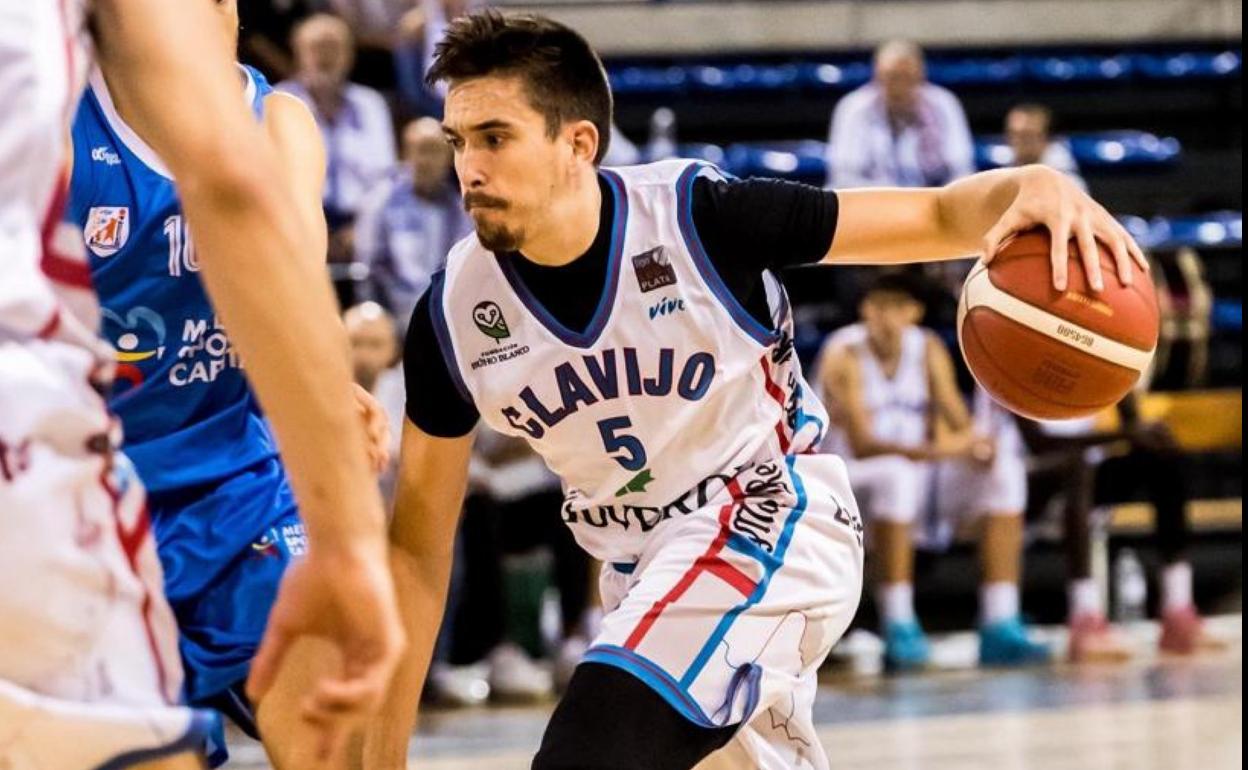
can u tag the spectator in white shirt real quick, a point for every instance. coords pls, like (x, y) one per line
(899, 129)
(1027, 130)
(375, 362)
(354, 121)
(408, 223)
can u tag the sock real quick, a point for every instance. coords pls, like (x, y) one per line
(1084, 598)
(1176, 586)
(896, 602)
(998, 602)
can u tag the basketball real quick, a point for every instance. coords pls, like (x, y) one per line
(1055, 355)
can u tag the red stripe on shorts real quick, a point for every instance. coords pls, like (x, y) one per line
(733, 577)
(705, 562)
(131, 542)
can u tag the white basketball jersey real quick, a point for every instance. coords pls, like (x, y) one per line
(44, 53)
(898, 405)
(670, 389)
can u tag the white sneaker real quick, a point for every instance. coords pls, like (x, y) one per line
(514, 677)
(567, 659)
(459, 686)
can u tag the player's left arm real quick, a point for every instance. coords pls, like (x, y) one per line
(976, 215)
(301, 155)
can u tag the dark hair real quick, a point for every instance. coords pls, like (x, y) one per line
(904, 282)
(562, 75)
(1039, 110)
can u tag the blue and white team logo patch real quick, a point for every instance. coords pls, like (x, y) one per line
(107, 229)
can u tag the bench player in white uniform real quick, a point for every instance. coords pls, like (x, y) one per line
(919, 464)
(626, 324)
(89, 671)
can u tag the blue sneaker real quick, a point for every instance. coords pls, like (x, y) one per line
(1005, 643)
(905, 646)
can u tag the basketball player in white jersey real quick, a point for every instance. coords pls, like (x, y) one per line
(627, 325)
(89, 674)
(920, 463)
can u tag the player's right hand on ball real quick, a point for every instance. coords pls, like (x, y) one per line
(342, 593)
(1047, 198)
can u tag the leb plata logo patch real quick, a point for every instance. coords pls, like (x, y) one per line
(653, 269)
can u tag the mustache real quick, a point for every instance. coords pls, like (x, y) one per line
(481, 200)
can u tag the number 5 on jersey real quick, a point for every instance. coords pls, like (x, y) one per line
(625, 449)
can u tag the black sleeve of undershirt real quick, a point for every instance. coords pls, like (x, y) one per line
(750, 225)
(434, 403)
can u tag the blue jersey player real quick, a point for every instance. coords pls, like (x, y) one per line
(221, 507)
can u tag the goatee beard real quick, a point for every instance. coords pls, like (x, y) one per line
(498, 239)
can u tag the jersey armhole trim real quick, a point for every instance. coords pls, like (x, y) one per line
(442, 332)
(684, 204)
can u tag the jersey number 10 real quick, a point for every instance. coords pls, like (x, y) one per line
(181, 249)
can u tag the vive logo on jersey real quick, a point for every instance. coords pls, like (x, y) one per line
(653, 269)
(666, 306)
(107, 229)
(137, 336)
(105, 155)
(488, 317)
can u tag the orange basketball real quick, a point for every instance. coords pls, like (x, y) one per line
(1055, 355)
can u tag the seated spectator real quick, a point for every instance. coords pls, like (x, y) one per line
(408, 223)
(420, 31)
(898, 419)
(265, 31)
(354, 121)
(375, 360)
(1027, 130)
(376, 26)
(1144, 462)
(521, 517)
(899, 129)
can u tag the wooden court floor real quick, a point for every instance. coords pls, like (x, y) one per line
(1154, 713)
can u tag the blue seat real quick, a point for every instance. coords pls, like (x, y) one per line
(649, 80)
(1077, 68)
(955, 71)
(709, 78)
(1218, 230)
(1190, 65)
(833, 75)
(769, 77)
(1139, 228)
(801, 160)
(711, 153)
(1227, 315)
(1123, 148)
(975, 72)
(1100, 150)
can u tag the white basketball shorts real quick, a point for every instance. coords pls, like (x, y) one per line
(89, 668)
(729, 611)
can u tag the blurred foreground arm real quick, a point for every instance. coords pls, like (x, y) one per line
(173, 70)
